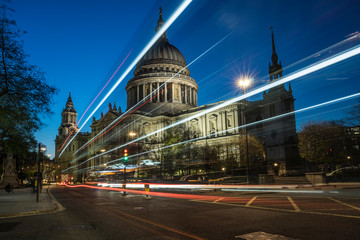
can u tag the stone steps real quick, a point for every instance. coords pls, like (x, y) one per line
(291, 180)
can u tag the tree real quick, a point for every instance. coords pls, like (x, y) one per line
(353, 115)
(254, 146)
(24, 94)
(322, 142)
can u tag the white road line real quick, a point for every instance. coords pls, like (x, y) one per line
(218, 199)
(348, 205)
(251, 201)
(297, 209)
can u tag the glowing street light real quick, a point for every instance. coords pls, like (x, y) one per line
(132, 134)
(244, 82)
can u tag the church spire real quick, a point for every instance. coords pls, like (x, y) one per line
(274, 57)
(160, 23)
(275, 69)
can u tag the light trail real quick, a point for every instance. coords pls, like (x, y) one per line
(161, 31)
(355, 37)
(305, 71)
(223, 187)
(105, 86)
(95, 99)
(227, 130)
(148, 98)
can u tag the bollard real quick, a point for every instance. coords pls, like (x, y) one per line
(147, 190)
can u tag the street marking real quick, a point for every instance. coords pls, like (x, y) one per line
(158, 225)
(297, 209)
(251, 201)
(262, 235)
(279, 209)
(348, 205)
(218, 199)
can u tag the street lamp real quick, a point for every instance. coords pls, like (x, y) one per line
(244, 82)
(41, 148)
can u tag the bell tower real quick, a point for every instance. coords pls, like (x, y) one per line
(68, 118)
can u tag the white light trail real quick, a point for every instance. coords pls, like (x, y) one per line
(305, 71)
(133, 108)
(227, 130)
(167, 24)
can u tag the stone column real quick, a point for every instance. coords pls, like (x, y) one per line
(235, 116)
(191, 96)
(137, 95)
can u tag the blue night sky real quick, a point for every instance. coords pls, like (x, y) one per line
(80, 43)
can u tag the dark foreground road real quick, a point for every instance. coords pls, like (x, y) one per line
(100, 214)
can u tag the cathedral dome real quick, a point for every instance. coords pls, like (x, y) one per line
(161, 82)
(161, 53)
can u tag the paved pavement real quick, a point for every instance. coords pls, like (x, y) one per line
(22, 202)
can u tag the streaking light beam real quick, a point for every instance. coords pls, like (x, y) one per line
(305, 71)
(167, 24)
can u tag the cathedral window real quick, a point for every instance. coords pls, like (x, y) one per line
(154, 87)
(212, 126)
(147, 89)
(134, 95)
(193, 96)
(141, 93)
(188, 94)
(169, 92)
(182, 93)
(228, 122)
(162, 92)
(272, 110)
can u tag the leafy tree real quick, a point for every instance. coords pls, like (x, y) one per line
(255, 147)
(180, 156)
(24, 94)
(170, 153)
(322, 142)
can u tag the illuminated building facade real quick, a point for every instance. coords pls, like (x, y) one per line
(177, 99)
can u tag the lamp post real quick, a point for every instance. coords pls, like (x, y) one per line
(132, 136)
(244, 82)
(38, 178)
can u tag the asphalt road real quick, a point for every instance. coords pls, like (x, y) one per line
(101, 214)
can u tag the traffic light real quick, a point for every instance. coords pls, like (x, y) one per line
(331, 151)
(125, 154)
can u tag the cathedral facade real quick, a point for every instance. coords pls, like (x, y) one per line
(162, 92)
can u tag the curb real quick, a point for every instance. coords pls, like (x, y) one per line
(57, 208)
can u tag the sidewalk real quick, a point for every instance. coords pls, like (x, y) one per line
(22, 202)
